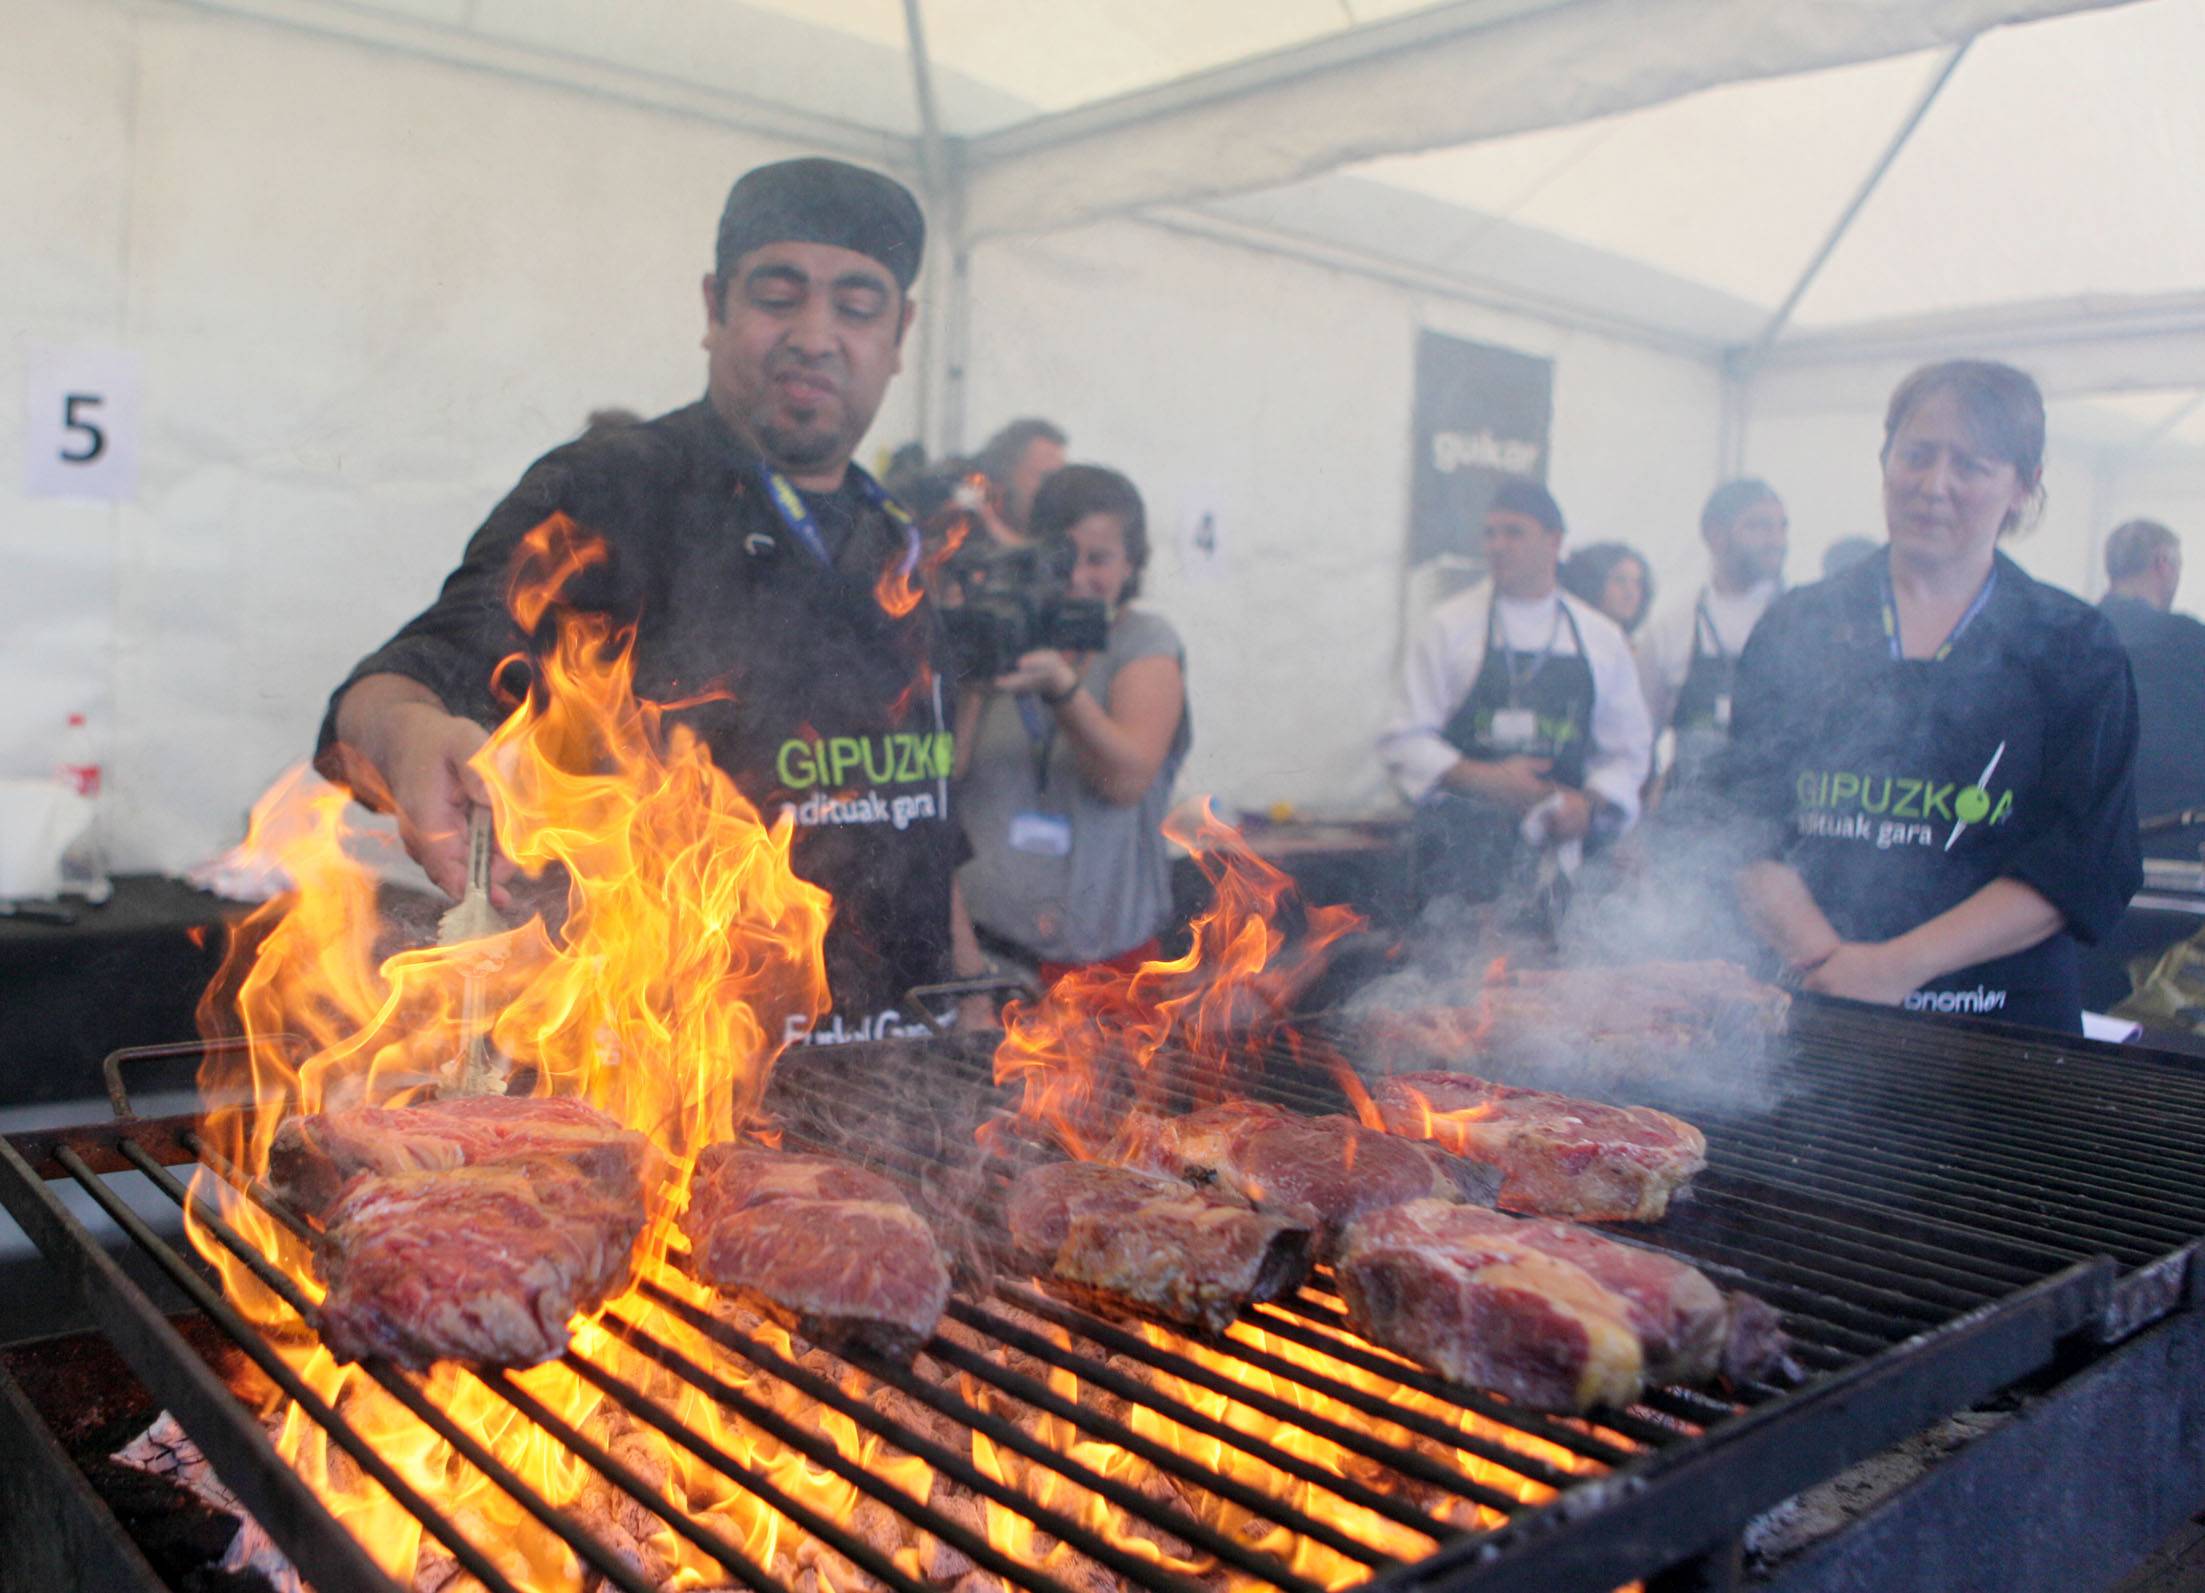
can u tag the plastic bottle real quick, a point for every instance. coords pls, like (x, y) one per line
(84, 864)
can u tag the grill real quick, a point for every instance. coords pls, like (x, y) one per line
(1939, 1211)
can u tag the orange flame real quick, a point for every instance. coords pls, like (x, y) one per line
(687, 943)
(907, 577)
(686, 940)
(1222, 1003)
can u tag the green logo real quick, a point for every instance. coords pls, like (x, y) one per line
(1972, 805)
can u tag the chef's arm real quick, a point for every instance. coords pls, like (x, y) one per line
(404, 752)
(1784, 913)
(2004, 917)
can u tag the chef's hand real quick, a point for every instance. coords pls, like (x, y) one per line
(432, 788)
(975, 1014)
(1044, 671)
(405, 754)
(1571, 818)
(1517, 783)
(1865, 971)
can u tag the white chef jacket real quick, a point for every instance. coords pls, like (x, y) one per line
(1443, 662)
(1666, 642)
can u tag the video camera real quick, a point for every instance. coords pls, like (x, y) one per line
(1013, 602)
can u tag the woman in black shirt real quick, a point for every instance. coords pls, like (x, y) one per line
(1933, 752)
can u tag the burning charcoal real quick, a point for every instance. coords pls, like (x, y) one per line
(921, 1420)
(980, 1582)
(436, 1571)
(834, 1572)
(1076, 1571)
(941, 1563)
(1162, 1490)
(879, 1526)
(639, 1556)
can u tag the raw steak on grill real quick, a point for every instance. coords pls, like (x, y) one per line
(1558, 1156)
(1326, 1171)
(829, 1249)
(312, 1157)
(1448, 1286)
(1119, 1236)
(1688, 1329)
(474, 1263)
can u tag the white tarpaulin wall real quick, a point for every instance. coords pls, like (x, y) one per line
(374, 257)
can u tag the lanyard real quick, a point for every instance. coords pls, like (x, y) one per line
(1508, 653)
(797, 515)
(1891, 615)
(1704, 623)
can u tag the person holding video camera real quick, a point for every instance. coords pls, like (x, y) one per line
(1067, 756)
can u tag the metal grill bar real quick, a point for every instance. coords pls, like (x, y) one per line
(943, 1460)
(231, 1440)
(1910, 1288)
(1041, 1397)
(825, 1455)
(600, 1557)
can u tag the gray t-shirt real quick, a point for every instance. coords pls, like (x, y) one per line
(1086, 880)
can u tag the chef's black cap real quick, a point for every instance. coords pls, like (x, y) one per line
(1521, 495)
(814, 200)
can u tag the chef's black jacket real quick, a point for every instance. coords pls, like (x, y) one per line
(821, 703)
(1899, 787)
(2167, 653)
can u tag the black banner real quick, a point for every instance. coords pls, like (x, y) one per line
(1481, 413)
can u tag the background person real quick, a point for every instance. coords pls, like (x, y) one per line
(1519, 724)
(2166, 653)
(1936, 752)
(1016, 461)
(1069, 759)
(745, 547)
(1846, 552)
(1689, 654)
(1614, 579)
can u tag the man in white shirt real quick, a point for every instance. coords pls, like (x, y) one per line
(1520, 726)
(1689, 650)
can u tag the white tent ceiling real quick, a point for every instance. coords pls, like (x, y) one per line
(1671, 169)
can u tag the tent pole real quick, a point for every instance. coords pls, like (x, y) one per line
(1846, 218)
(941, 333)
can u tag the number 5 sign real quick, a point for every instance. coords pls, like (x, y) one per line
(80, 431)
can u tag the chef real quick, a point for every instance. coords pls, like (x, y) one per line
(1519, 729)
(1932, 755)
(746, 546)
(1689, 653)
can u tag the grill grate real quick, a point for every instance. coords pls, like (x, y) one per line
(1935, 1211)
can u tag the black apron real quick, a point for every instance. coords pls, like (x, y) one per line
(1702, 717)
(1906, 819)
(1526, 703)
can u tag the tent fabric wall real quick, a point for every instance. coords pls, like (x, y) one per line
(1277, 395)
(367, 290)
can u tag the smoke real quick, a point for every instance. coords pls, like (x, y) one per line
(1658, 1002)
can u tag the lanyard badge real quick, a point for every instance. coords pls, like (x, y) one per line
(797, 515)
(1944, 650)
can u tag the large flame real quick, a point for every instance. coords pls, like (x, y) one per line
(685, 942)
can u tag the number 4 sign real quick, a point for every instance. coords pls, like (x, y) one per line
(80, 432)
